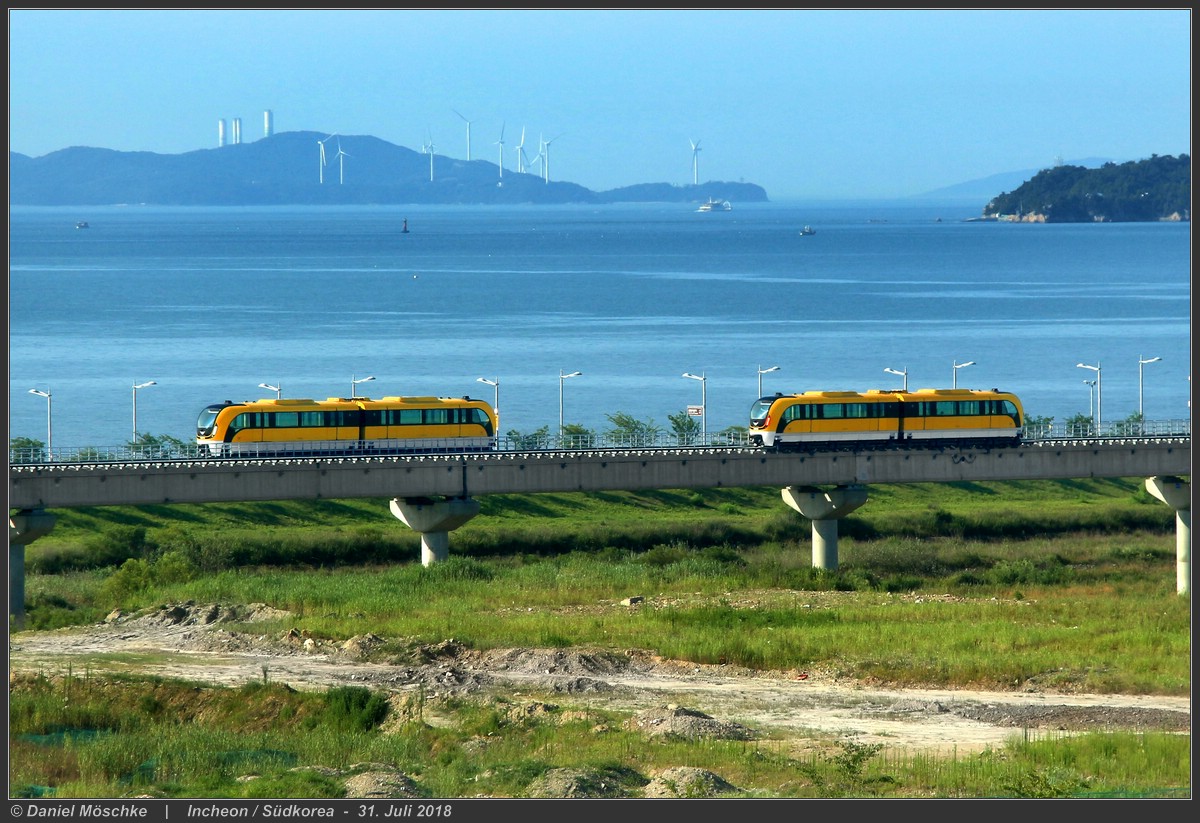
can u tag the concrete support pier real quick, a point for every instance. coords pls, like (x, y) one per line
(825, 508)
(434, 519)
(1177, 494)
(23, 528)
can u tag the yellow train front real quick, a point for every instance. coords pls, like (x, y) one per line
(340, 425)
(847, 419)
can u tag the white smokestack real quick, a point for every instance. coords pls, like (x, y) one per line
(237, 131)
(221, 133)
(268, 123)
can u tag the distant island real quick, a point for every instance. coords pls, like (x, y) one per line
(308, 168)
(1145, 190)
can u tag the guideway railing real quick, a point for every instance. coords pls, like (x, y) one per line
(32, 455)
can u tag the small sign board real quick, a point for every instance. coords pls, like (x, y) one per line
(696, 411)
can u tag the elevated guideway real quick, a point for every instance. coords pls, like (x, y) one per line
(144, 482)
(434, 493)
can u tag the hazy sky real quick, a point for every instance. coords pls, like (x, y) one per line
(808, 104)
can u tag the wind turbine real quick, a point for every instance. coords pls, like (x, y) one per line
(500, 143)
(324, 163)
(522, 160)
(468, 122)
(695, 167)
(543, 159)
(546, 155)
(429, 147)
(341, 156)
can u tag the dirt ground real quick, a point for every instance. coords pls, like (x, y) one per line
(198, 642)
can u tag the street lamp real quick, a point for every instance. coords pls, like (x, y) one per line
(496, 405)
(761, 372)
(49, 427)
(703, 403)
(562, 377)
(278, 391)
(903, 374)
(958, 366)
(135, 388)
(1141, 363)
(1099, 390)
(354, 383)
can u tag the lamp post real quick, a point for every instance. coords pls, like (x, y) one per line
(903, 374)
(561, 378)
(761, 372)
(1099, 391)
(495, 384)
(354, 383)
(1141, 363)
(958, 366)
(703, 404)
(49, 427)
(278, 391)
(135, 389)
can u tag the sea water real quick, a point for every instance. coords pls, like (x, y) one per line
(210, 302)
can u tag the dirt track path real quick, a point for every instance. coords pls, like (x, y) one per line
(189, 642)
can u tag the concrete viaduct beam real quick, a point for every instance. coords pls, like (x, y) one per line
(434, 519)
(23, 528)
(825, 508)
(1177, 494)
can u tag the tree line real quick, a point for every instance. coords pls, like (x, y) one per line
(1144, 190)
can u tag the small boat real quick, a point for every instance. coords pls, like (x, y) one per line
(716, 205)
(807, 230)
(82, 224)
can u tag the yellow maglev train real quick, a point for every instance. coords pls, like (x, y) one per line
(847, 419)
(341, 425)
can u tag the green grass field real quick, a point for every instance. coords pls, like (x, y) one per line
(1069, 585)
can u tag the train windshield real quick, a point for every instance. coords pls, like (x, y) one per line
(208, 417)
(760, 409)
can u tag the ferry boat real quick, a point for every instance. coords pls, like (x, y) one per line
(716, 205)
(82, 224)
(807, 230)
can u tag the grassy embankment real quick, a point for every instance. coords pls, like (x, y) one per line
(1062, 585)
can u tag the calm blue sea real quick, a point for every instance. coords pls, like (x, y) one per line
(210, 302)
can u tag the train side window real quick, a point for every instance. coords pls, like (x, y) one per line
(311, 419)
(857, 410)
(435, 417)
(410, 417)
(246, 420)
(833, 411)
(480, 418)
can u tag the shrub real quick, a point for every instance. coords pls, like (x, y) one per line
(354, 708)
(134, 576)
(174, 567)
